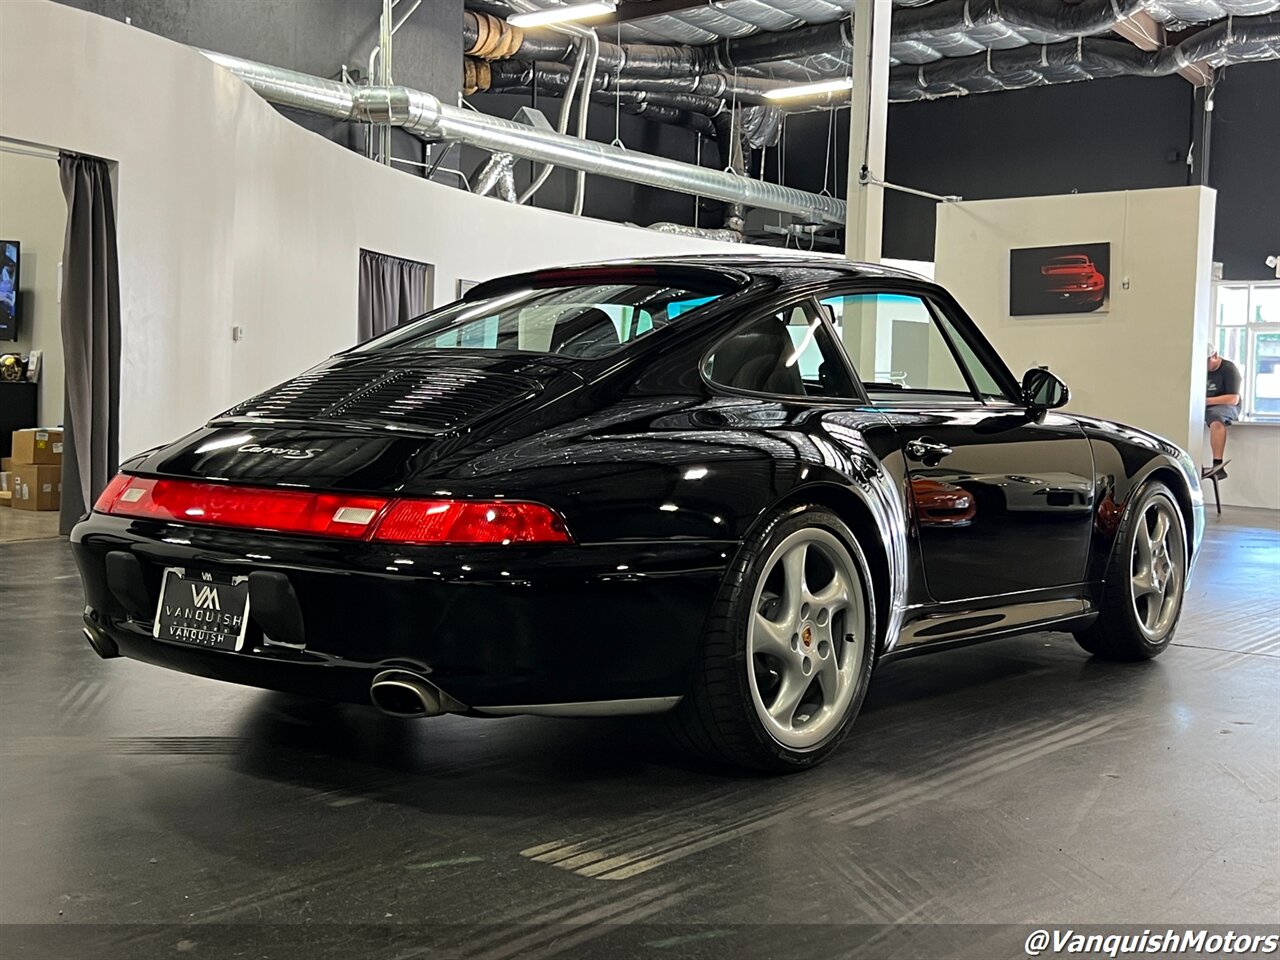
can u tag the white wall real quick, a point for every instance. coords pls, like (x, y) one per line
(1253, 478)
(33, 212)
(229, 214)
(922, 267)
(1141, 363)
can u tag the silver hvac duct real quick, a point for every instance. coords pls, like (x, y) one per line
(935, 33)
(723, 234)
(1228, 42)
(427, 116)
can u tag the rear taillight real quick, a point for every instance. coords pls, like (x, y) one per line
(467, 521)
(290, 511)
(350, 516)
(107, 499)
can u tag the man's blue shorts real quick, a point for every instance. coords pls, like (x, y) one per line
(1223, 413)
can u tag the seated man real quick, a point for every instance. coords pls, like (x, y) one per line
(1221, 407)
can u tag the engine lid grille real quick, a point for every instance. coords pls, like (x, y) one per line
(435, 400)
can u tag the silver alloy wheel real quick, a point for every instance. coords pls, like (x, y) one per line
(1157, 570)
(806, 636)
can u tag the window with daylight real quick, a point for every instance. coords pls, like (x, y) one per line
(1246, 320)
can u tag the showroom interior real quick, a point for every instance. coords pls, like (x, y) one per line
(201, 200)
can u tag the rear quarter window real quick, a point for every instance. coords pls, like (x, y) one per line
(584, 320)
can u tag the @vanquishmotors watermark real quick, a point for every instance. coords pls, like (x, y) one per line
(1067, 941)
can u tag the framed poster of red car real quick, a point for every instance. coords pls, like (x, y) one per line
(1073, 278)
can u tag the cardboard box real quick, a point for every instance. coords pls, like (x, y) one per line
(37, 445)
(6, 464)
(6, 498)
(36, 486)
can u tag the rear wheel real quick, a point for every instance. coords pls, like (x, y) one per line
(789, 648)
(1145, 581)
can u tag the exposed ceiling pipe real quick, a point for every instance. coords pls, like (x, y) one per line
(562, 124)
(726, 86)
(722, 234)
(927, 34)
(677, 109)
(717, 87)
(483, 36)
(917, 30)
(760, 124)
(1238, 40)
(920, 32)
(489, 38)
(764, 47)
(584, 107)
(553, 79)
(428, 117)
(589, 41)
(729, 138)
(937, 35)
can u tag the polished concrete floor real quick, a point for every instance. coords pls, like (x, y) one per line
(27, 524)
(144, 813)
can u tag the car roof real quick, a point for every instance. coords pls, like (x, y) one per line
(782, 269)
(768, 263)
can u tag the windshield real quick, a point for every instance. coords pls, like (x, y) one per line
(580, 320)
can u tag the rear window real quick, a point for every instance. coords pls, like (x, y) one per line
(582, 320)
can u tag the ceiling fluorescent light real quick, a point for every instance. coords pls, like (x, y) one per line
(566, 14)
(839, 85)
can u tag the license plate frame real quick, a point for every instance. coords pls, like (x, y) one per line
(201, 622)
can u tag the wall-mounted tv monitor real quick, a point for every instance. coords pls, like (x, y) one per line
(10, 267)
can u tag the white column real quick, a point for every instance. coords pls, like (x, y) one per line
(868, 115)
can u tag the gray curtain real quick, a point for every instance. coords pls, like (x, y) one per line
(90, 336)
(392, 291)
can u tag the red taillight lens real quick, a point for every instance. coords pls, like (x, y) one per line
(289, 511)
(463, 521)
(107, 499)
(349, 516)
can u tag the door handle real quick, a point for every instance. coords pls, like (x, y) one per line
(927, 450)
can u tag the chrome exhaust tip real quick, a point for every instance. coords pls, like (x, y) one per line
(102, 645)
(403, 693)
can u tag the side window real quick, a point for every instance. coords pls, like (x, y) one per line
(987, 382)
(789, 353)
(896, 345)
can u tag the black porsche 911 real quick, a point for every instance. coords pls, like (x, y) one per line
(721, 488)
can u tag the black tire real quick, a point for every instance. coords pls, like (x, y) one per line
(1119, 633)
(718, 719)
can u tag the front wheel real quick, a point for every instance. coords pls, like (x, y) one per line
(789, 648)
(1145, 581)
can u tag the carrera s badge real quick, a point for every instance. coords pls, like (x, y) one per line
(289, 453)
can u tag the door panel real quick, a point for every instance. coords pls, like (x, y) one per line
(1001, 502)
(1001, 499)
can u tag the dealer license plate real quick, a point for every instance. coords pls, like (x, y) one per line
(203, 611)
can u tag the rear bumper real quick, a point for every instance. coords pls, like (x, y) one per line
(493, 627)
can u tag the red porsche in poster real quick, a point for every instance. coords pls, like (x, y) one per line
(1067, 279)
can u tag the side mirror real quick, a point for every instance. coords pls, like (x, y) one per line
(1041, 390)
